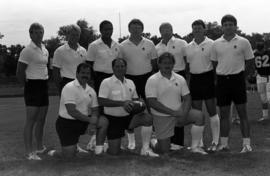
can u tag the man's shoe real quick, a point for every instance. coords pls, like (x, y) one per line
(198, 150)
(91, 144)
(41, 151)
(175, 147)
(212, 148)
(33, 156)
(246, 149)
(51, 152)
(153, 143)
(99, 149)
(131, 146)
(80, 150)
(262, 119)
(223, 148)
(148, 152)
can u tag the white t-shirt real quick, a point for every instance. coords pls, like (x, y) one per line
(74, 93)
(102, 56)
(167, 91)
(174, 46)
(67, 60)
(113, 89)
(36, 59)
(199, 56)
(139, 56)
(231, 55)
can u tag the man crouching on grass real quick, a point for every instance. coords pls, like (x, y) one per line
(78, 109)
(165, 91)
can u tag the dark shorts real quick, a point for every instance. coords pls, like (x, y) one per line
(202, 86)
(63, 82)
(231, 88)
(140, 82)
(36, 93)
(69, 131)
(117, 126)
(98, 78)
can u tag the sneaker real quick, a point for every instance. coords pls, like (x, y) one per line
(175, 147)
(246, 149)
(51, 152)
(91, 144)
(262, 119)
(33, 156)
(80, 150)
(99, 149)
(148, 152)
(223, 148)
(198, 150)
(41, 151)
(212, 147)
(131, 146)
(153, 143)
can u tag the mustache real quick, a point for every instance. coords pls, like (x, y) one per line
(85, 77)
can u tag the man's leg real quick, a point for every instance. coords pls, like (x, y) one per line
(39, 128)
(197, 104)
(163, 145)
(114, 146)
(101, 134)
(224, 127)
(262, 90)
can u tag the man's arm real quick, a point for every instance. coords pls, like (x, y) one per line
(57, 77)
(73, 112)
(127, 105)
(154, 65)
(20, 72)
(186, 105)
(250, 67)
(155, 104)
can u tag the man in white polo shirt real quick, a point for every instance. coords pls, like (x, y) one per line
(202, 78)
(168, 96)
(230, 53)
(174, 46)
(78, 109)
(140, 55)
(117, 94)
(67, 57)
(32, 73)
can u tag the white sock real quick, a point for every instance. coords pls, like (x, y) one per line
(215, 128)
(196, 135)
(265, 113)
(224, 141)
(98, 149)
(131, 138)
(146, 133)
(201, 144)
(246, 141)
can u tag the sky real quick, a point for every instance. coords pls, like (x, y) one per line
(17, 15)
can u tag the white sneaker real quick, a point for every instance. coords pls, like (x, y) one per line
(131, 146)
(212, 147)
(198, 150)
(105, 147)
(148, 152)
(41, 151)
(99, 149)
(51, 152)
(246, 149)
(80, 150)
(176, 147)
(33, 156)
(153, 142)
(91, 144)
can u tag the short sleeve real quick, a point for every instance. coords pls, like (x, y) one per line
(94, 99)
(57, 59)
(150, 88)
(248, 50)
(24, 56)
(213, 53)
(68, 95)
(135, 94)
(91, 52)
(184, 87)
(153, 51)
(104, 89)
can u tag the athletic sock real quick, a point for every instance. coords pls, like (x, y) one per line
(246, 141)
(265, 113)
(146, 133)
(196, 135)
(131, 138)
(215, 128)
(224, 141)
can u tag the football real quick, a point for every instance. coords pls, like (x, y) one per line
(138, 107)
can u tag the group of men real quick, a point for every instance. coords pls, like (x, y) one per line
(136, 72)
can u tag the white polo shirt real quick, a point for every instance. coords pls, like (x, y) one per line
(102, 55)
(174, 46)
(74, 93)
(199, 56)
(113, 89)
(231, 55)
(36, 59)
(67, 60)
(139, 56)
(167, 91)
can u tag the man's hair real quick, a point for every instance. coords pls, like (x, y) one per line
(260, 45)
(74, 27)
(120, 59)
(35, 26)
(103, 23)
(228, 18)
(83, 66)
(165, 24)
(135, 21)
(164, 56)
(197, 23)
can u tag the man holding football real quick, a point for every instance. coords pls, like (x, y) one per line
(123, 109)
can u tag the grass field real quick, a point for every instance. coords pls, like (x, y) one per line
(12, 162)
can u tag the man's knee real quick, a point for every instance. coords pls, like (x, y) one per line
(148, 120)
(103, 122)
(199, 118)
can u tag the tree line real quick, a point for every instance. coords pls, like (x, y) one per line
(9, 55)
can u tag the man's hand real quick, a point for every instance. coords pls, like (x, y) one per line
(128, 105)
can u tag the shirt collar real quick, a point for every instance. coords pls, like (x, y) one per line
(206, 39)
(173, 76)
(172, 39)
(33, 45)
(236, 37)
(100, 42)
(114, 79)
(77, 84)
(141, 42)
(68, 47)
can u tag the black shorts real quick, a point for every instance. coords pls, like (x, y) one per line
(69, 130)
(117, 126)
(63, 82)
(231, 88)
(140, 82)
(98, 78)
(202, 86)
(36, 93)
